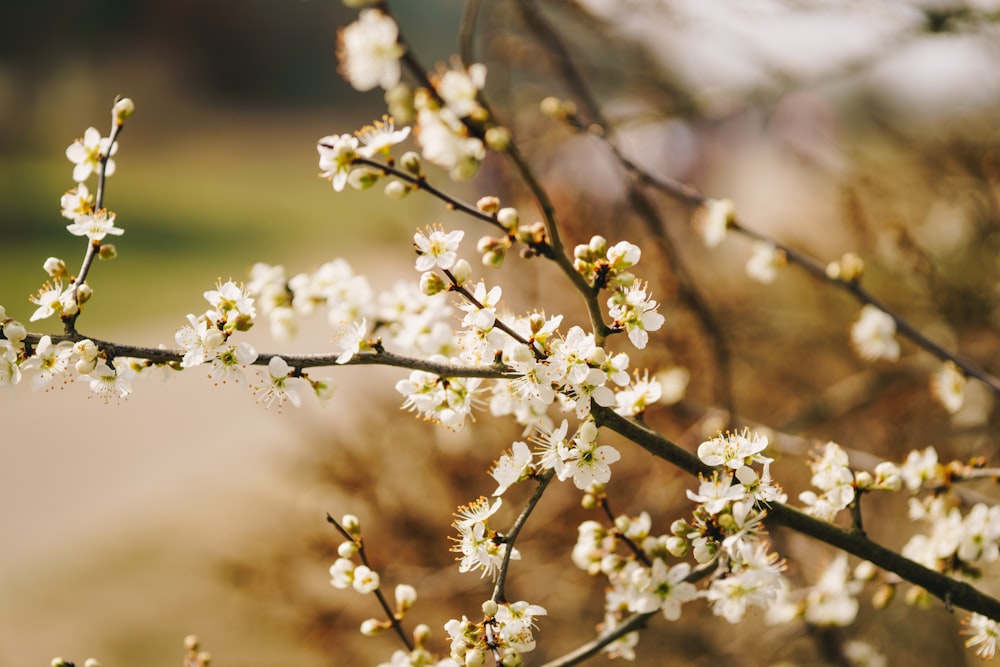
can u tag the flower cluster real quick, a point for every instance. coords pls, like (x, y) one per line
(501, 637)
(833, 476)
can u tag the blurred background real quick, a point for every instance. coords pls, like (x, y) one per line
(835, 127)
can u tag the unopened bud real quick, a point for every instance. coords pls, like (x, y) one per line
(589, 501)
(461, 271)
(90, 662)
(14, 331)
(55, 267)
(347, 549)
(406, 596)
(83, 293)
(883, 596)
(371, 627)
(124, 107)
(411, 162)
(498, 138)
(851, 267)
(362, 178)
(677, 546)
(396, 190)
(508, 218)
(490, 608)
(351, 524)
(191, 643)
(488, 205)
(107, 251)
(431, 283)
(421, 634)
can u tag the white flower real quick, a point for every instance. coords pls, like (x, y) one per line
(366, 580)
(86, 153)
(459, 88)
(10, 371)
(349, 339)
(95, 226)
(446, 143)
(200, 340)
(380, 136)
(76, 202)
(717, 492)
(920, 467)
(635, 399)
(336, 154)
(281, 386)
(873, 335)
(712, 220)
(437, 248)
(763, 264)
(109, 382)
(512, 468)
(586, 461)
(733, 450)
(48, 300)
(50, 363)
(230, 361)
(341, 573)
(948, 387)
(984, 633)
(831, 601)
(229, 300)
(476, 541)
(369, 52)
(623, 255)
(634, 312)
(658, 588)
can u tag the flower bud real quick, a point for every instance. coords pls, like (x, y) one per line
(494, 258)
(14, 331)
(431, 283)
(123, 108)
(498, 138)
(677, 546)
(883, 596)
(588, 501)
(863, 479)
(511, 658)
(421, 634)
(488, 205)
(351, 524)
(490, 609)
(598, 245)
(191, 643)
(461, 271)
(362, 178)
(851, 267)
(508, 218)
(865, 571)
(55, 267)
(347, 549)
(83, 293)
(371, 627)
(396, 190)
(90, 662)
(410, 161)
(622, 524)
(475, 658)
(406, 596)
(107, 251)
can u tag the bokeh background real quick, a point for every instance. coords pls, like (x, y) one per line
(866, 127)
